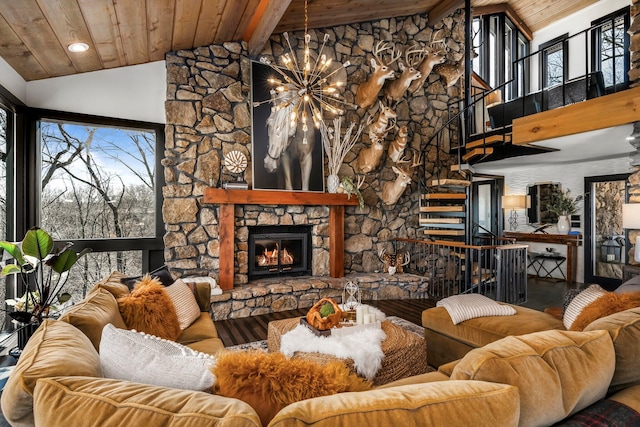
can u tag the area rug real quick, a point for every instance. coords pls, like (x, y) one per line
(262, 345)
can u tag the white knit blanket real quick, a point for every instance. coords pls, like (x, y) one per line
(364, 347)
(470, 306)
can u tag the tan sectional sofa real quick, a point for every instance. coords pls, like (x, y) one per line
(58, 382)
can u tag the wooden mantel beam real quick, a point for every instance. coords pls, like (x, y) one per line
(268, 22)
(607, 111)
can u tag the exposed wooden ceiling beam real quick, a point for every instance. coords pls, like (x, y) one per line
(444, 9)
(511, 14)
(272, 15)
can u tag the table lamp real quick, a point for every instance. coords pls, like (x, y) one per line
(631, 220)
(513, 202)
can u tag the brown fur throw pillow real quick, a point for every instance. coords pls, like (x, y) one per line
(149, 309)
(269, 381)
(606, 305)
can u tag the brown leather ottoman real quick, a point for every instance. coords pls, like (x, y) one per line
(447, 342)
(404, 351)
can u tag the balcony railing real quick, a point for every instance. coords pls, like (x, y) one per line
(498, 272)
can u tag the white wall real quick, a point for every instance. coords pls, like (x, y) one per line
(570, 176)
(12, 81)
(572, 24)
(136, 93)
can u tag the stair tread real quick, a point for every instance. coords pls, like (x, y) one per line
(446, 182)
(444, 196)
(477, 152)
(442, 209)
(445, 232)
(493, 139)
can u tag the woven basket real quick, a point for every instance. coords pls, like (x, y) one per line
(316, 320)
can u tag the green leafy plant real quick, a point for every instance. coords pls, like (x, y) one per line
(43, 267)
(351, 188)
(563, 203)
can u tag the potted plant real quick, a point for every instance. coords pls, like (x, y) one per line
(564, 205)
(43, 268)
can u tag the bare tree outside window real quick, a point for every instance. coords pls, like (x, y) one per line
(554, 61)
(612, 52)
(97, 183)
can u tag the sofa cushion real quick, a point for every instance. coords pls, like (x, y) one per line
(185, 303)
(112, 284)
(89, 402)
(56, 348)
(161, 273)
(557, 372)
(469, 403)
(269, 381)
(93, 313)
(483, 330)
(579, 302)
(630, 396)
(631, 285)
(135, 356)
(470, 306)
(606, 305)
(624, 329)
(149, 309)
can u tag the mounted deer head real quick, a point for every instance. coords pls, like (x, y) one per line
(450, 73)
(368, 91)
(384, 123)
(434, 54)
(369, 157)
(392, 190)
(394, 90)
(394, 263)
(397, 146)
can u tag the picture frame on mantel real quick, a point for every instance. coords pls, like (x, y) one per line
(268, 166)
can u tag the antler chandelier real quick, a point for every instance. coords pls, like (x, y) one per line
(304, 86)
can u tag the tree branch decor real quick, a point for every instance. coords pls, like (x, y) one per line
(336, 145)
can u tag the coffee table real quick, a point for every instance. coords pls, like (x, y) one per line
(404, 352)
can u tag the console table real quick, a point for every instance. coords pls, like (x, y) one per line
(571, 240)
(227, 199)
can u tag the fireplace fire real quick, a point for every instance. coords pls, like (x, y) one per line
(279, 250)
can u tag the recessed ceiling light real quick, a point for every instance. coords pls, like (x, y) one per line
(78, 47)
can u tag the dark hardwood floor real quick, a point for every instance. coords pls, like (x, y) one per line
(249, 329)
(541, 294)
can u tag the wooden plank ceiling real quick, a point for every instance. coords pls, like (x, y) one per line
(34, 34)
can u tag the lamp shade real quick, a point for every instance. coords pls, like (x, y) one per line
(514, 201)
(631, 216)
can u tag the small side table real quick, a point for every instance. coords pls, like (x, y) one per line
(538, 266)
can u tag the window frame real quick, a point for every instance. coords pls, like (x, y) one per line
(152, 247)
(544, 65)
(596, 63)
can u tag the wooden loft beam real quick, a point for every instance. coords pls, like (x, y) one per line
(511, 14)
(444, 9)
(260, 34)
(598, 113)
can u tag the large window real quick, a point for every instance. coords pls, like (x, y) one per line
(500, 44)
(611, 49)
(99, 188)
(555, 56)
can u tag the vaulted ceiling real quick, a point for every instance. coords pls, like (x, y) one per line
(34, 34)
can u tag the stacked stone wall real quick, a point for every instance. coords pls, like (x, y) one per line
(208, 114)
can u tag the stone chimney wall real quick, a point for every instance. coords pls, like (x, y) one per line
(208, 111)
(634, 32)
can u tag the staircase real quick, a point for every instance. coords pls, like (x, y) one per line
(444, 208)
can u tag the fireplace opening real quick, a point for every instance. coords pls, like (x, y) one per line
(279, 250)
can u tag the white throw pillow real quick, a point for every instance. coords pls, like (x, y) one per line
(470, 306)
(185, 303)
(138, 357)
(579, 302)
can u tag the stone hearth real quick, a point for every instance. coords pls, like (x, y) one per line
(280, 294)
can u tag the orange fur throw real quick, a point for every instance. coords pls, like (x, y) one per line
(269, 381)
(606, 305)
(149, 309)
